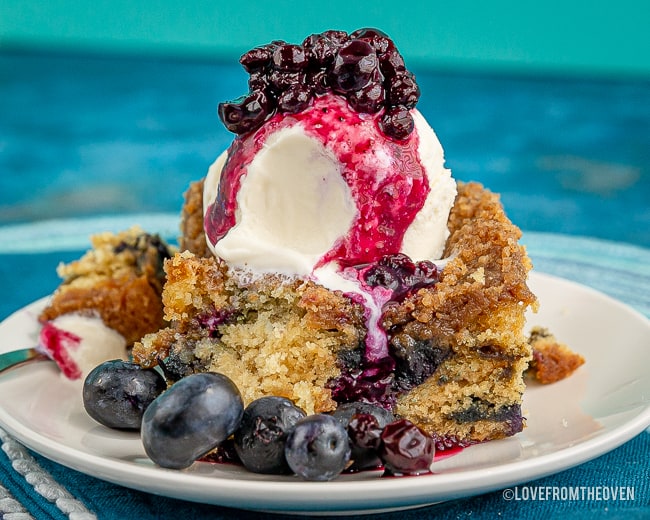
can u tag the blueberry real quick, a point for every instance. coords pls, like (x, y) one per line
(353, 67)
(262, 434)
(245, 113)
(391, 63)
(364, 432)
(383, 276)
(280, 81)
(403, 90)
(259, 81)
(317, 448)
(319, 49)
(368, 99)
(116, 393)
(338, 37)
(295, 99)
(192, 417)
(348, 414)
(378, 39)
(256, 59)
(319, 81)
(415, 360)
(397, 122)
(406, 449)
(401, 275)
(346, 411)
(289, 57)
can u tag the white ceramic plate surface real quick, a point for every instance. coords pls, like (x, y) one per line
(604, 404)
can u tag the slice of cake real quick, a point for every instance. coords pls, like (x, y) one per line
(457, 350)
(328, 256)
(119, 281)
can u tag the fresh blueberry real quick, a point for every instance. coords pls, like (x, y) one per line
(317, 448)
(262, 434)
(191, 418)
(346, 411)
(116, 393)
(364, 432)
(348, 414)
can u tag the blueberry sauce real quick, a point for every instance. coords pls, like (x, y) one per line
(364, 68)
(212, 320)
(57, 343)
(387, 197)
(385, 370)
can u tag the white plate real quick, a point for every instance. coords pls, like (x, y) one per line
(605, 403)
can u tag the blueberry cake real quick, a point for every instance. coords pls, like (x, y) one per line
(120, 279)
(457, 348)
(329, 257)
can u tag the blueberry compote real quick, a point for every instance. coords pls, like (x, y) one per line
(363, 67)
(386, 364)
(353, 93)
(387, 181)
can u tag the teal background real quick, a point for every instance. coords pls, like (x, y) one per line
(556, 36)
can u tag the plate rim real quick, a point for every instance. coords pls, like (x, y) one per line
(386, 493)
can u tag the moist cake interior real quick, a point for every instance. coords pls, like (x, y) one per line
(457, 349)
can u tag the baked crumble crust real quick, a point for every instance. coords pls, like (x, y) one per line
(120, 279)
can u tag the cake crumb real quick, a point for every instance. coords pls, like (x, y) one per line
(552, 361)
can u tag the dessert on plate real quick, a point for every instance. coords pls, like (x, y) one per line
(328, 256)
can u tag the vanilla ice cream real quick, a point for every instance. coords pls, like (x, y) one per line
(326, 187)
(78, 343)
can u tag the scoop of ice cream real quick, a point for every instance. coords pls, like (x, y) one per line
(324, 186)
(78, 343)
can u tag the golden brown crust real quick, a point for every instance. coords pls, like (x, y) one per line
(120, 279)
(552, 360)
(192, 234)
(476, 309)
(483, 286)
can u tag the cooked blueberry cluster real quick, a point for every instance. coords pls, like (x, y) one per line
(365, 67)
(203, 413)
(401, 275)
